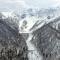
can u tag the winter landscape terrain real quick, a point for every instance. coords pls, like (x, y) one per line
(33, 34)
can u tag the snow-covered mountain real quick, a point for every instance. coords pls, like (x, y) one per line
(34, 19)
(42, 39)
(11, 18)
(17, 29)
(9, 14)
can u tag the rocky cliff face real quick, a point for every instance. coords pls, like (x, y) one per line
(46, 39)
(10, 38)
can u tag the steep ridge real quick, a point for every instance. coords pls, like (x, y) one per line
(46, 39)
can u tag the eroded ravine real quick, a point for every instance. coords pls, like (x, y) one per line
(33, 54)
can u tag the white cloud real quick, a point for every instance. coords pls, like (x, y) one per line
(16, 4)
(43, 3)
(55, 2)
(12, 4)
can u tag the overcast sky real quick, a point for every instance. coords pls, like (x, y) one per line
(18, 4)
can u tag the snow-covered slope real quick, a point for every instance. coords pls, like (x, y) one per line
(31, 23)
(11, 19)
(9, 14)
(26, 24)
